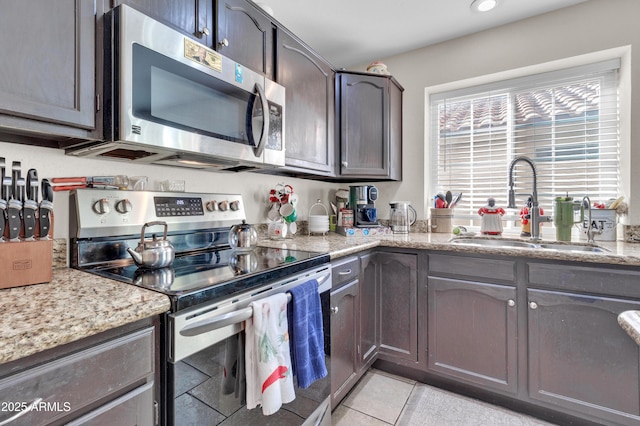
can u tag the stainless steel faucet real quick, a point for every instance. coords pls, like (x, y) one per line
(536, 218)
(590, 231)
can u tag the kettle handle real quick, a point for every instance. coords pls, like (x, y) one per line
(415, 215)
(148, 224)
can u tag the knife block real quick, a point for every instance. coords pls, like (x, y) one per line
(26, 262)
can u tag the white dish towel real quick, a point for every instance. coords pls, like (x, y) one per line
(267, 355)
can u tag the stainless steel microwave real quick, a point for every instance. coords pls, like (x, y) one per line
(170, 100)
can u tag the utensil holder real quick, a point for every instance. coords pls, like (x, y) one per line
(441, 220)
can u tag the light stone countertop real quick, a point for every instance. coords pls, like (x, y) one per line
(77, 304)
(73, 306)
(620, 253)
(630, 322)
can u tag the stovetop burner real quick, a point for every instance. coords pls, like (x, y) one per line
(104, 223)
(211, 275)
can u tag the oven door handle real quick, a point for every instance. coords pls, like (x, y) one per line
(220, 321)
(234, 317)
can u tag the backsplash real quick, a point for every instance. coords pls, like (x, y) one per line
(631, 233)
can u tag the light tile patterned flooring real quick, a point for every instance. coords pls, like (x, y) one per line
(382, 399)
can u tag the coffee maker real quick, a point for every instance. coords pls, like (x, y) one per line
(362, 201)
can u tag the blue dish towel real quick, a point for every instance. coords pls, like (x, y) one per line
(306, 334)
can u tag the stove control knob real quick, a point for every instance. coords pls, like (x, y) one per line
(211, 206)
(234, 205)
(223, 205)
(124, 206)
(101, 206)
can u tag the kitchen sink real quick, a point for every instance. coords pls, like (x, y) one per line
(500, 243)
(574, 247)
(493, 243)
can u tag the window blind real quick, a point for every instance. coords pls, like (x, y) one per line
(565, 121)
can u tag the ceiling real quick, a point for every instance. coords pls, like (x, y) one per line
(352, 32)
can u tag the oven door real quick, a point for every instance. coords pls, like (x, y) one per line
(205, 385)
(175, 94)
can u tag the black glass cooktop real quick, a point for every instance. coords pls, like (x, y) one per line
(209, 276)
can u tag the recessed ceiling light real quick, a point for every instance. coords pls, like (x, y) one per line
(483, 5)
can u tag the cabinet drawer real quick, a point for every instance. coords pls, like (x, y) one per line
(613, 282)
(75, 381)
(472, 267)
(345, 270)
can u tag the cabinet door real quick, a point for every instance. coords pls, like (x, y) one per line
(398, 306)
(310, 89)
(47, 68)
(369, 338)
(344, 311)
(580, 358)
(472, 332)
(364, 125)
(245, 35)
(193, 17)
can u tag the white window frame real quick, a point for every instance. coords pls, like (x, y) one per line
(623, 54)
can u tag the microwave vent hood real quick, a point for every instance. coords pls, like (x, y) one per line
(139, 154)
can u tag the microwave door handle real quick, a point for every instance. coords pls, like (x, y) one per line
(265, 123)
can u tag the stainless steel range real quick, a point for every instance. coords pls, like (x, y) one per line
(210, 286)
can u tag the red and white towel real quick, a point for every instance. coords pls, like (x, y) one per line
(267, 355)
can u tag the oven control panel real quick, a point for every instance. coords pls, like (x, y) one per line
(108, 213)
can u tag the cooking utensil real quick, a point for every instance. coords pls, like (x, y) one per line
(14, 205)
(107, 182)
(153, 253)
(46, 210)
(455, 200)
(243, 236)
(440, 202)
(448, 197)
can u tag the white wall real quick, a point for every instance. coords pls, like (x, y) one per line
(254, 187)
(593, 26)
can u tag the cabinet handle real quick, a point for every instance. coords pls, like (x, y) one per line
(334, 310)
(511, 302)
(205, 31)
(224, 42)
(533, 305)
(21, 413)
(345, 164)
(347, 272)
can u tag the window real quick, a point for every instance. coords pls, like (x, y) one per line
(565, 121)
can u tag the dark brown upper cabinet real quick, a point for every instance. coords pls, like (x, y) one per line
(245, 34)
(47, 69)
(310, 110)
(370, 117)
(192, 17)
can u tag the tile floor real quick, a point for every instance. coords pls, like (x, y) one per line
(382, 399)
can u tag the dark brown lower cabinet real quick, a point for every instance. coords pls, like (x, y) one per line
(398, 279)
(472, 332)
(106, 379)
(369, 312)
(580, 359)
(344, 368)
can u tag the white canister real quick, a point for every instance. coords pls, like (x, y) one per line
(604, 220)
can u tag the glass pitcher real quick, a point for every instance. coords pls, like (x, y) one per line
(402, 217)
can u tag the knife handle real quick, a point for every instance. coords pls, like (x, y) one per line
(14, 220)
(3, 218)
(44, 216)
(29, 219)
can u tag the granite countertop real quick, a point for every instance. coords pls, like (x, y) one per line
(72, 306)
(77, 304)
(619, 253)
(630, 322)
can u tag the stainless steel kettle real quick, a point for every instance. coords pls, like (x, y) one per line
(153, 253)
(243, 236)
(399, 219)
